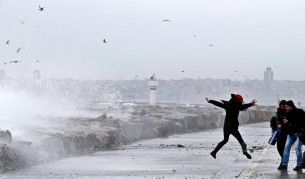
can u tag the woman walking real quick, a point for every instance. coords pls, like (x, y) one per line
(280, 116)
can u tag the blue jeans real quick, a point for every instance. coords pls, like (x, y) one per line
(298, 148)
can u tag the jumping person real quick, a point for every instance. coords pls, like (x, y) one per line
(232, 107)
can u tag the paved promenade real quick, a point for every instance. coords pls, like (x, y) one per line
(180, 156)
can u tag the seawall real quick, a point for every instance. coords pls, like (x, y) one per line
(83, 136)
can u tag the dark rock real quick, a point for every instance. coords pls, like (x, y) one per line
(7, 159)
(102, 117)
(5, 137)
(162, 131)
(142, 113)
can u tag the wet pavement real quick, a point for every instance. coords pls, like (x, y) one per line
(180, 156)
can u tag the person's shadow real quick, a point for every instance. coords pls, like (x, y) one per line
(284, 175)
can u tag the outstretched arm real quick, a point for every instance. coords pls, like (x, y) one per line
(245, 106)
(216, 103)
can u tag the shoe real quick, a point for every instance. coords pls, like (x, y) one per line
(244, 149)
(247, 154)
(279, 166)
(213, 154)
(297, 168)
(282, 167)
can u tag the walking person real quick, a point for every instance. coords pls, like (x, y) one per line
(232, 108)
(295, 120)
(281, 141)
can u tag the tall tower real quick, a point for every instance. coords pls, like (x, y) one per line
(268, 76)
(152, 83)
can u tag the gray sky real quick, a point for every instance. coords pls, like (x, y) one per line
(66, 38)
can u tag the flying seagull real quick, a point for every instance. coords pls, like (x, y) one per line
(7, 42)
(182, 71)
(14, 61)
(41, 8)
(166, 20)
(22, 22)
(211, 45)
(104, 41)
(136, 77)
(18, 50)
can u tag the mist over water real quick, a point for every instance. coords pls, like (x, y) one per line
(22, 111)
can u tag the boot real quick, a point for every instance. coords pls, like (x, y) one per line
(213, 153)
(217, 148)
(244, 148)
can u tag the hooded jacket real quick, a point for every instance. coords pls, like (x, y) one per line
(232, 108)
(296, 119)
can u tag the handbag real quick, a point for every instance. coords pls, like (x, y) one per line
(274, 137)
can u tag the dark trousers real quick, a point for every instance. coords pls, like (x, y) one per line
(226, 134)
(281, 141)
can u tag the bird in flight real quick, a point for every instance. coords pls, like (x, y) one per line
(235, 71)
(136, 77)
(211, 45)
(37, 61)
(7, 42)
(18, 50)
(182, 71)
(22, 22)
(104, 41)
(15, 61)
(166, 20)
(4, 62)
(41, 8)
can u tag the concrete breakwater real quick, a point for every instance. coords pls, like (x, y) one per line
(82, 136)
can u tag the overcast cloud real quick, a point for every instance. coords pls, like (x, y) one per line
(204, 39)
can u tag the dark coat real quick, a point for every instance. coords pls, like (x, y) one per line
(296, 119)
(232, 110)
(280, 115)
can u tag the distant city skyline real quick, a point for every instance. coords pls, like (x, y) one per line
(268, 77)
(175, 39)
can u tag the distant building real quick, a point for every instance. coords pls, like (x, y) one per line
(268, 76)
